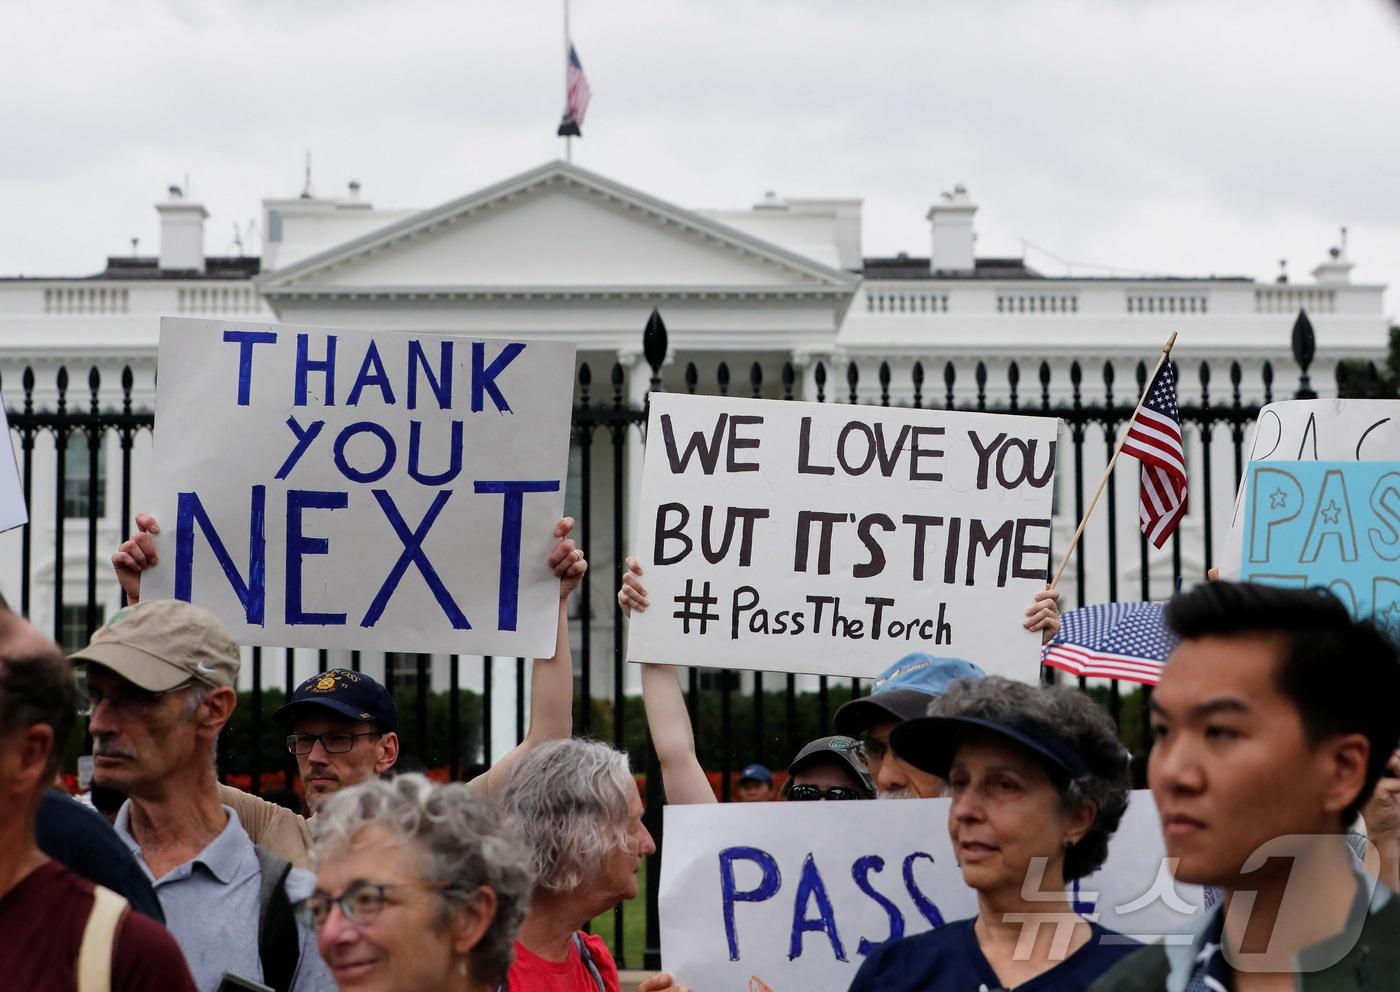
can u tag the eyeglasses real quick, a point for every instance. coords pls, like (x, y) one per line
(125, 697)
(334, 743)
(872, 752)
(360, 903)
(812, 793)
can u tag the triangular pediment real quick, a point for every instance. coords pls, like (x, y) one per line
(556, 228)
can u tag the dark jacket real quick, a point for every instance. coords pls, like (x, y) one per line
(1371, 965)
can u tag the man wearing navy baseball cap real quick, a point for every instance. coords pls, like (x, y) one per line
(901, 692)
(755, 784)
(343, 731)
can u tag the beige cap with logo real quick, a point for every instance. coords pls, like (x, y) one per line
(161, 643)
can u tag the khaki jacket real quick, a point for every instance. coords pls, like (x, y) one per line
(273, 828)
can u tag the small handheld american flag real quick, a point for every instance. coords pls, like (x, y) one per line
(577, 94)
(1154, 438)
(1128, 641)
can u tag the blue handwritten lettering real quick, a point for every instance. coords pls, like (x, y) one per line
(730, 894)
(413, 555)
(298, 546)
(514, 493)
(306, 365)
(252, 593)
(245, 341)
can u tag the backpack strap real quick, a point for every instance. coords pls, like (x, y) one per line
(588, 961)
(278, 947)
(99, 938)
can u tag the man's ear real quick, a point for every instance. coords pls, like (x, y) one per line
(388, 753)
(1344, 760)
(218, 708)
(29, 748)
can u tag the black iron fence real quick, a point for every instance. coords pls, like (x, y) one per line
(605, 422)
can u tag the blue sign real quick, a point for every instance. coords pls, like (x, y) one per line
(1330, 524)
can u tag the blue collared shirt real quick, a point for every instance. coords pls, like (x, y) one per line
(211, 909)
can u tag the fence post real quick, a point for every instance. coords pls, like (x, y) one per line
(1304, 348)
(654, 346)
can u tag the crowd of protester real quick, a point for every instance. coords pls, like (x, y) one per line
(1274, 769)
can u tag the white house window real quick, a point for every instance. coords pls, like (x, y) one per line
(78, 485)
(73, 631)
(401, 667)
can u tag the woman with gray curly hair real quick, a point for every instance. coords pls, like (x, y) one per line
(1038, 782)
(419, 888)
(576, 805)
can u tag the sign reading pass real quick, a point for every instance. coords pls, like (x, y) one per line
(1310, 431)
(794, 896)
(831, 539)
(1332, 524)
(349, 489)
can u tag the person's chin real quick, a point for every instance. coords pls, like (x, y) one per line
(1192, 869)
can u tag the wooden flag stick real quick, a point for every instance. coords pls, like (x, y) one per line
(1108, 472)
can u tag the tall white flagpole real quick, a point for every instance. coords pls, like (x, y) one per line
(568, 138)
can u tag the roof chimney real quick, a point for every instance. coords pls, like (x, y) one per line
(953, 237)
(181, 232)
(1335, 269)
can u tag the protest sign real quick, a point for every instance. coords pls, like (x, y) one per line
(795, 895)
(349, 489)
(13, 512)
(832, 539)
(1332, 524)
(1314, 430)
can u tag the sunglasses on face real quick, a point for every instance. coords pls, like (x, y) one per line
(360, 903)
(336, 743)
(812, 793)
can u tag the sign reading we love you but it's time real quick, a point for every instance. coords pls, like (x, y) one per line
(1332, 524)
(358, 489)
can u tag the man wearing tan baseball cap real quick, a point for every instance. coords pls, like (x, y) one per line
(161, 677)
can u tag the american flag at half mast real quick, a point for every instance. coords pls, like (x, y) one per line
(577, 94)
(1128, 641)
(1154, 438)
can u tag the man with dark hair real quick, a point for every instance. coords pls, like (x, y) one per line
(60, 930)
(67, 831)
(1274, 719)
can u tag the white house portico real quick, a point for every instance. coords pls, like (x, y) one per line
(560, 253)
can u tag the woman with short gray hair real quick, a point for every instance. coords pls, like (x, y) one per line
(419, 888)
(1038, 782)
(576, 805)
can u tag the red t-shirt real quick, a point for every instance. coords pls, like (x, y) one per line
(532, 973)
(42, 921)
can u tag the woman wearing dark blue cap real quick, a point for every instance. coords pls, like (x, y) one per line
(1038, 782)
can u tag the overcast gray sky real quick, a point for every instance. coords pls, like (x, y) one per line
(1179, 137)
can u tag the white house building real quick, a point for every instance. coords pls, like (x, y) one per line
(560, 253)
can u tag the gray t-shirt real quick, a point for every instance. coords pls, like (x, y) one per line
(211, 909)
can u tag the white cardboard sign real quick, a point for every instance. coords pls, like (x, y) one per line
(832, 539)
(794, 895)
(1332, 430)
(13, 512)
(363, 490)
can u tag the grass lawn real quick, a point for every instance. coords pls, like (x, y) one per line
(634, 927)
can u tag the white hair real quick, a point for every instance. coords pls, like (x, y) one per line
(460, 839)
(570, 800)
